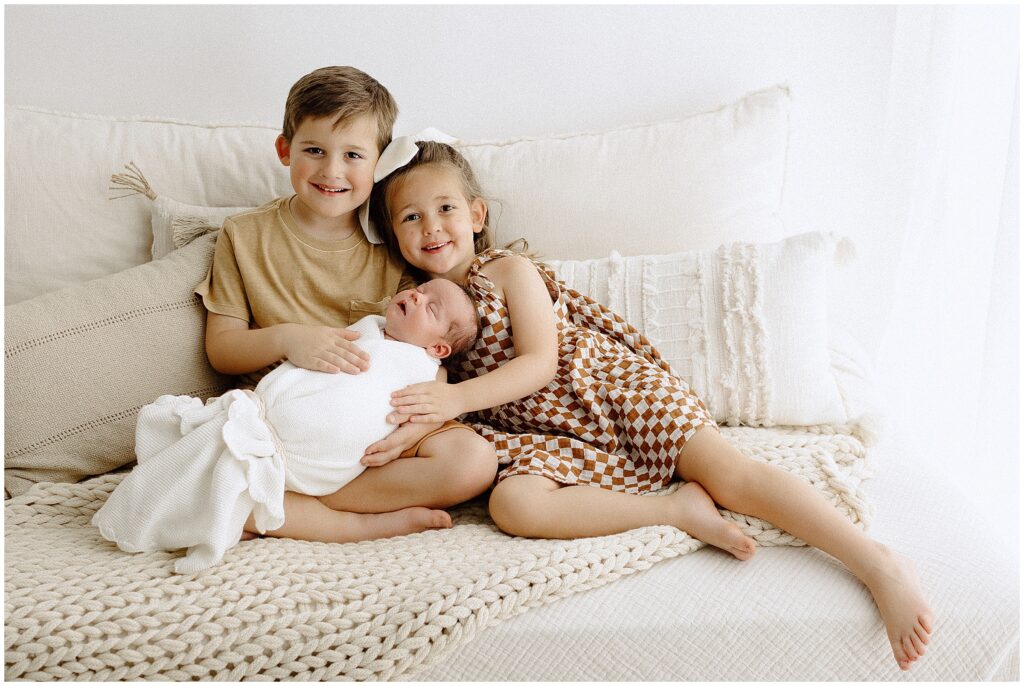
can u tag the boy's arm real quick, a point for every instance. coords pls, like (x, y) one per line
(234, 348)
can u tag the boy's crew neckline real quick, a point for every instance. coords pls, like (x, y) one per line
(289, 221)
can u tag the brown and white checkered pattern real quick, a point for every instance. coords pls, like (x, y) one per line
(614, 416)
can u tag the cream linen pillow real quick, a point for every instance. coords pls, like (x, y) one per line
(80, 362)
(697, 181)
(745, 324)
(60, 226)
(694, 182)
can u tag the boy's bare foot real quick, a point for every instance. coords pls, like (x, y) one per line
(696, 514)
(332, 526)
(411, 520)
(896, 588)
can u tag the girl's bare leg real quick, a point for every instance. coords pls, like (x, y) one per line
(743, 485)
(308, 519)
(535, 506)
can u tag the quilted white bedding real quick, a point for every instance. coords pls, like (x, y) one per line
(787, 614)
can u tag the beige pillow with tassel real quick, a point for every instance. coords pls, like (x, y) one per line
(82, 361)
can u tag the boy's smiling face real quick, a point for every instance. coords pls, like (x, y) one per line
(331, 172)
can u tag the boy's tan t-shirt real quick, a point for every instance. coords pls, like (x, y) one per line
(266, 271)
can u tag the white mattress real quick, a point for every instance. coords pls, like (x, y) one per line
(787, 614)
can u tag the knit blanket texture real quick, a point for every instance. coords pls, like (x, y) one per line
(78, 608)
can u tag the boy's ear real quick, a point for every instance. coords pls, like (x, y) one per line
(478, 212)
(284, 149)
(439, 350)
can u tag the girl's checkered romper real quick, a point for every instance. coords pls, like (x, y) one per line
(614, 416)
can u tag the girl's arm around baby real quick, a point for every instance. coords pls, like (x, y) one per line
(536, 344)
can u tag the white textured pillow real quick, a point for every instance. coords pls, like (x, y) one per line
(690, 183)
(746, 325)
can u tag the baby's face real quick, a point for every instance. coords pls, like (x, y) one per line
(423, 315)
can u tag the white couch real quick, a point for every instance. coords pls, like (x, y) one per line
(100, 320)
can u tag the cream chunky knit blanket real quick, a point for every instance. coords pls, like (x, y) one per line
(79, 608)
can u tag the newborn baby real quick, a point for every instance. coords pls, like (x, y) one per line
(203, 468)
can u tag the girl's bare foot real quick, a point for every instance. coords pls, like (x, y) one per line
(696, 514)
(896, 588)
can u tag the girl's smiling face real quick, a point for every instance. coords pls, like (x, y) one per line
(434, 222)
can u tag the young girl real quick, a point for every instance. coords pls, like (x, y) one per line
(578, 398)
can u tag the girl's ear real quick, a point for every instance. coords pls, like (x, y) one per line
(284, 149)
(478, 212)
(439, 350)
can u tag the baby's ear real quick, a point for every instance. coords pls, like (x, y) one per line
(439, 350)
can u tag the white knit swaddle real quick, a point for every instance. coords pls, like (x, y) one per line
(203, 468)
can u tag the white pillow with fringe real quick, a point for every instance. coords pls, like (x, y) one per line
(745, 324)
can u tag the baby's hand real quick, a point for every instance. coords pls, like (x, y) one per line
(324, 349)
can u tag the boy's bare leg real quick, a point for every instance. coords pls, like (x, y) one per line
(451, 467)
(743, 485)
(402, 497)
(535, 506)
(308, 519)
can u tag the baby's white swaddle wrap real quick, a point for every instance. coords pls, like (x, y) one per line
(203, 468)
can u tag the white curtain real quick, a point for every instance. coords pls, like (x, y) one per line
(948, 363)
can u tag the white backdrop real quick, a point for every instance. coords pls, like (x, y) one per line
(904, 137)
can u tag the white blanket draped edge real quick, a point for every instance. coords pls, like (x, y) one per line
(215, 464)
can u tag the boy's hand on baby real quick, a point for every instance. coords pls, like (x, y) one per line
(432, 401)
(325, 349)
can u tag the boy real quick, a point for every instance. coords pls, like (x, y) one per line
(204, 469)
(289, 276)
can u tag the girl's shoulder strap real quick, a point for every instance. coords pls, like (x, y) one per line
(489, 255)
(482, 258)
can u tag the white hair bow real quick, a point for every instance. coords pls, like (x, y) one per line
(399, 153)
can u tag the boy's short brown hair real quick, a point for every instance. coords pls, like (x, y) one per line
(342, 92)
